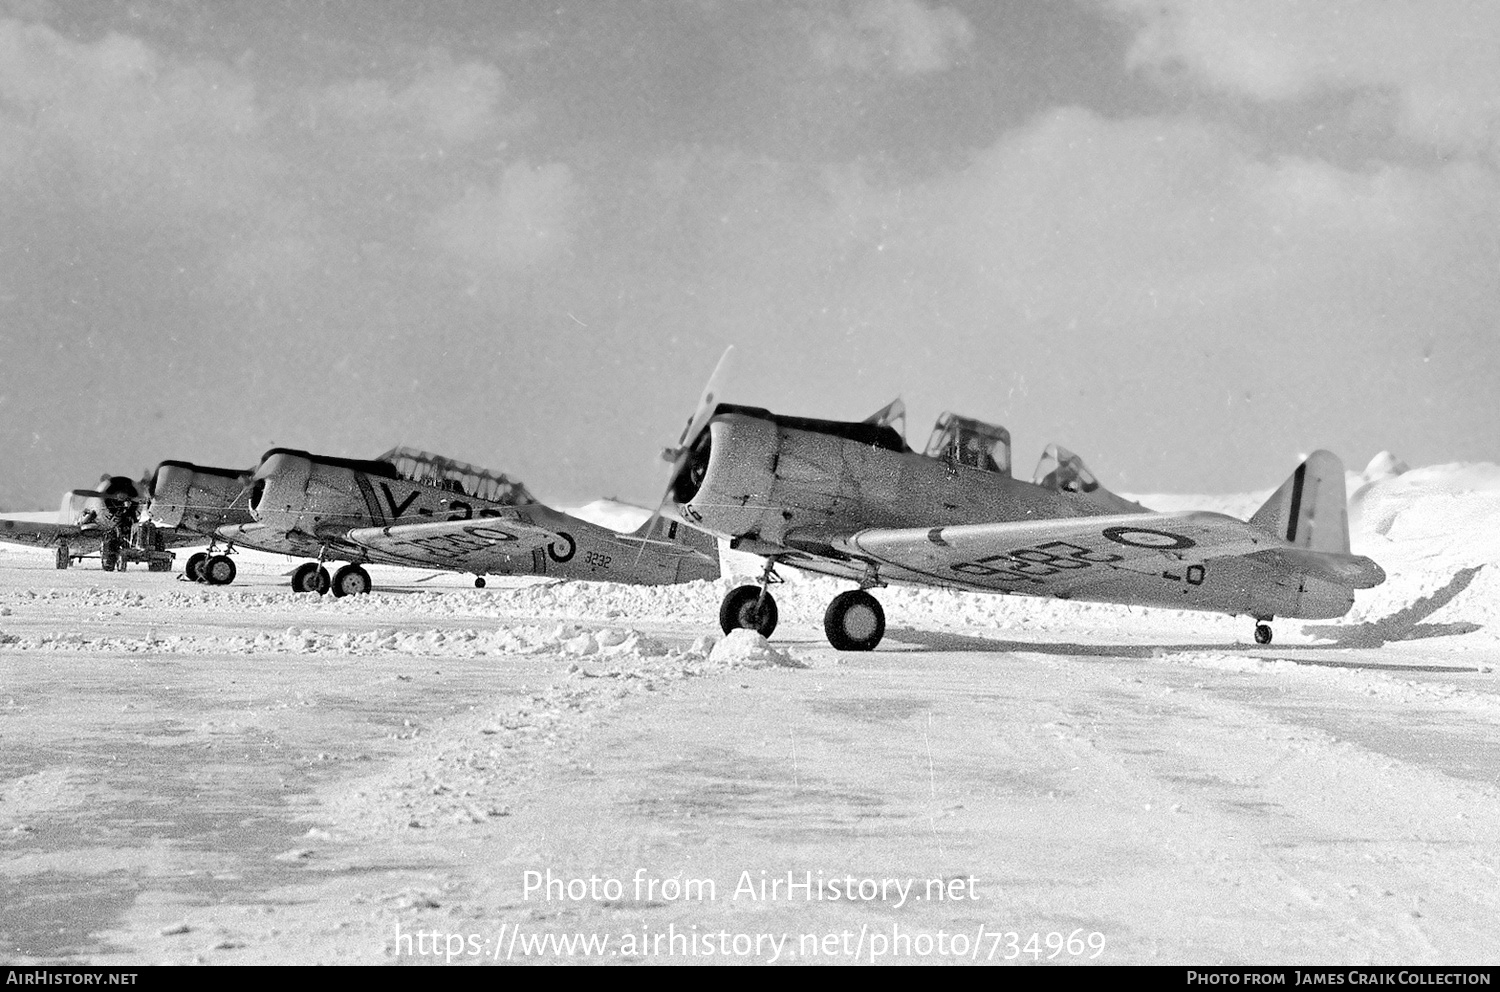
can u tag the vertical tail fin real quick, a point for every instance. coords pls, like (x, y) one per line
(1310, 509)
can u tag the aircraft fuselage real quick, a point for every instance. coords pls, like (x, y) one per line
(803, 496)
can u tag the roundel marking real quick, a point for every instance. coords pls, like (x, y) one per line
(1141, 537)
(562, 556)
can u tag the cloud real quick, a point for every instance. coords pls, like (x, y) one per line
(902, 36)
(528, 217)
(1167, 224)
(458, 103)
(1434, 60)
(113, 123)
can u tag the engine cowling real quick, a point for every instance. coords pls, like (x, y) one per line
(300, 494)
(169, 494)
(196, 497)
(726, 484)
(278, 492)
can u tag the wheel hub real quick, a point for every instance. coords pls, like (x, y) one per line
(860, 622)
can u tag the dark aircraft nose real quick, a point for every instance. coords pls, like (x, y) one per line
(685, 484)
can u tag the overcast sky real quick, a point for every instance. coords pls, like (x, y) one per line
(1188, 239)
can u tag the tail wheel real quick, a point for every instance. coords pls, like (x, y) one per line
(1262, 634)
(744, 607)
(479, 582)
(311, 577)
(351, 580)
(218, 570)
(855, 621)
(194, 567)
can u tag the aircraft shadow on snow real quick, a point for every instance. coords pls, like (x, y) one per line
(1403, 625)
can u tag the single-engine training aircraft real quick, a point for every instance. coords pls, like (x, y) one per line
(102, 520)
(409, 507)
(202, 500)
(852, 500)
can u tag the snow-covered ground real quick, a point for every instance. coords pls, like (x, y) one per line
(434, 773)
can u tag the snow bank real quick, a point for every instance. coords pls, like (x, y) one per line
(748, 649)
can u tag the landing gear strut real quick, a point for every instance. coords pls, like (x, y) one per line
(211, 565)
(751, 607)
(311, 577)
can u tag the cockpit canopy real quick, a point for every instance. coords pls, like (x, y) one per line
(456, 477)
(965, 441)
(1062, 471)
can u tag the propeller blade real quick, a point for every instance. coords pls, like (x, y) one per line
(708, 402)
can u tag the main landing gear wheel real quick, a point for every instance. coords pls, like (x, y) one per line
(218, 570)
(744, 607)
(1262, 634)
(311, 577)
(854, 621)
(64, 556)
(351, 580)
(194, 567)
(479, 582)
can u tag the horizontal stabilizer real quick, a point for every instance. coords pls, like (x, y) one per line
(666, 530)
(1310, 510)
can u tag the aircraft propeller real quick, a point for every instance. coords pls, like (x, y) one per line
(678, 456)
(707, 403)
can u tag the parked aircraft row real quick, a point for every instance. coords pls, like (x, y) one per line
(97, 522)
(406, 507)
(848, 499)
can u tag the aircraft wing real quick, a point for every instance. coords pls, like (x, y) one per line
(38, 532)
(474, 545)
(1057, 557)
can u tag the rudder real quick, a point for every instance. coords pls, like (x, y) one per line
(1310, 509)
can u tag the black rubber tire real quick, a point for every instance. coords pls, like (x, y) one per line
(194, 567)
(311, 577)
(854, 621)
(219, 570)
(739, 610)
(351, 580)
(64, 556)
(479, 582)
(1262, 634)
